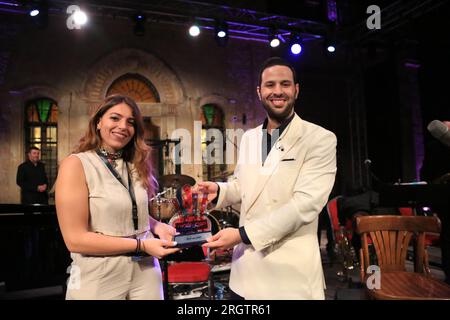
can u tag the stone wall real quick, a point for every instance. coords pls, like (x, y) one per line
(76, 68)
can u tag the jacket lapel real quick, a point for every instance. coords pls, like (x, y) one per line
(284, 143)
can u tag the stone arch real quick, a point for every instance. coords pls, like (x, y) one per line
(124, 61)
(36, 91)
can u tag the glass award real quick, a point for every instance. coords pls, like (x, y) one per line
(192, 225)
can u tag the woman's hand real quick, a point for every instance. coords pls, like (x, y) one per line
(158, 248)
(164, 231)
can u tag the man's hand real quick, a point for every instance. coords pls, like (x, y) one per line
(208, 187)
(224, 239)
(42, 187)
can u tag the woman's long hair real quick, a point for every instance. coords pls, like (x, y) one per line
(136, 151)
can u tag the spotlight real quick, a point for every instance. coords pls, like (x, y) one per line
(330, 46)
(296, 46)
(80, 17)
(330, 41)
(194, 30)
(275, 42)
(34, 12)
(39, 14)
(221, 31)
(77, 17)
(139, 24)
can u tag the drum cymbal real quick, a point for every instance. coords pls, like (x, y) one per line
(223, 175)
(176, 180)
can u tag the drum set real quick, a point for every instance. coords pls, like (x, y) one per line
(164, 205)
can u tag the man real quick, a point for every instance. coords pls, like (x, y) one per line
(32, 180)
(283, 178)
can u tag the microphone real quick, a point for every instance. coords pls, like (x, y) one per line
(440, 131)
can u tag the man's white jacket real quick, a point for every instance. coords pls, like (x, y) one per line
(280, 205)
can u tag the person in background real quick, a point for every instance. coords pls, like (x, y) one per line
(32, 179)
(102, 193)
(284, 175)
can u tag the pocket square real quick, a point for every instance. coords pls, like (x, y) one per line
(290, 159)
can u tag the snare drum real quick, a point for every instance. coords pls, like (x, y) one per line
(162, 211)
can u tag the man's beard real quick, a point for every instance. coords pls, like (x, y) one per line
(279, 117)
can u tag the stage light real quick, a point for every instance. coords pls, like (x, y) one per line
(80, 17)
(139, 24)
(221, 33)
(39, 14)
(296, 45)
(274, 39)
(194, 30)
(274, 42)
(77, 17)
(330, 41)
(34, 12)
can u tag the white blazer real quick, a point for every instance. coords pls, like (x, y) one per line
(280, 205)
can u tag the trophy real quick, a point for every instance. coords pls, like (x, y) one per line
(191, 222)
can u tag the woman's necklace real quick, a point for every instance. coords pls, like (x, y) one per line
(111, 156)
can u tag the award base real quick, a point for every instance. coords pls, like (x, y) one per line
(193, 239)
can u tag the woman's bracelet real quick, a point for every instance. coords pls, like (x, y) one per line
(138, 246)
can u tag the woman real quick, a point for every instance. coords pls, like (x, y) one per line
(102, 194)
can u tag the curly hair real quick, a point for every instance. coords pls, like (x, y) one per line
(136, 151)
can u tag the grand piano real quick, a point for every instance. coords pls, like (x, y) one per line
(33, 253)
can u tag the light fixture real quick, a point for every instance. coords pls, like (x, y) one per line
(34, 12)
(221, 33)
(194, 29)
(296, 44)
(77, 17)
(39, 13)
(80, 17)
(274, 40)
(330, 42)
(139, 24)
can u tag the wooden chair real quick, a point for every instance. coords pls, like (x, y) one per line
(391, 236)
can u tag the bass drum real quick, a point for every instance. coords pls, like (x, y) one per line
(226, 218)
(164, 210)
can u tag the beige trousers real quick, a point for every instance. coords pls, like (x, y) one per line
(114, 278)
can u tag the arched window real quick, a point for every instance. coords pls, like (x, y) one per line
(136, 87)
(214, 158)
(41, 130)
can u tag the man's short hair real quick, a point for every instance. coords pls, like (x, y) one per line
(33, 148)
(276, 61)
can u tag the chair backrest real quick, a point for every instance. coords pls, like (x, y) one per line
(391, 236)
(332, 210)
